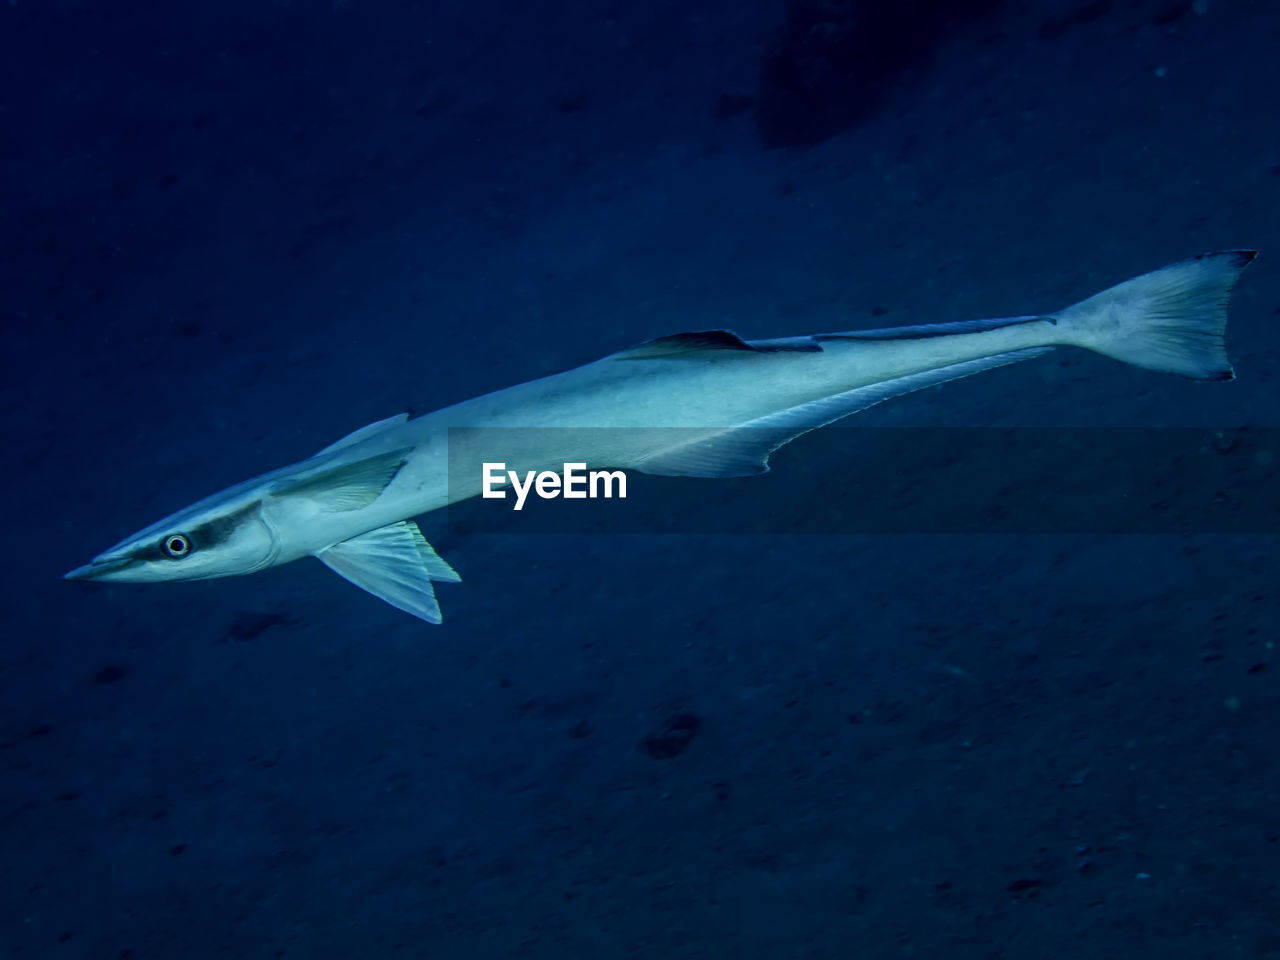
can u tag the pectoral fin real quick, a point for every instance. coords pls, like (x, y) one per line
(394, 563)
(346, 486)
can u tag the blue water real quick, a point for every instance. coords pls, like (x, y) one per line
(233, 231)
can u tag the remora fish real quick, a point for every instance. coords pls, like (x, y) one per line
(734, 401)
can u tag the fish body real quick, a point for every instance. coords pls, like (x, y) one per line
(704, 403)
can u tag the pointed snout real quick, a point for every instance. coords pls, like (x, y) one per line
(99, 568)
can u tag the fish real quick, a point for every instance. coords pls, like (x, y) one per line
(704, 403)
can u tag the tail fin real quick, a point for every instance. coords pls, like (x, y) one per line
(1172, 319)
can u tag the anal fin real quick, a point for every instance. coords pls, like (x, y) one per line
(394, 563)
(744, 450)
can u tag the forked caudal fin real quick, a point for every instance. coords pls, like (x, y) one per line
(1172, 319)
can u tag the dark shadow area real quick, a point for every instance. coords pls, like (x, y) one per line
(835, 63)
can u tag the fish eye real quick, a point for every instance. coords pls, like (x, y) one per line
(176, 546)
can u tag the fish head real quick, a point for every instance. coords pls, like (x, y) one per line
(225, 535)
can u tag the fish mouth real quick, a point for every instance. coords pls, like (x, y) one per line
(100, 568)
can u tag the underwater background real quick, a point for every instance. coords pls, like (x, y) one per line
(232, 232)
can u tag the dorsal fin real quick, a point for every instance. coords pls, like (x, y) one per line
(701, 342)
(364, 433)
